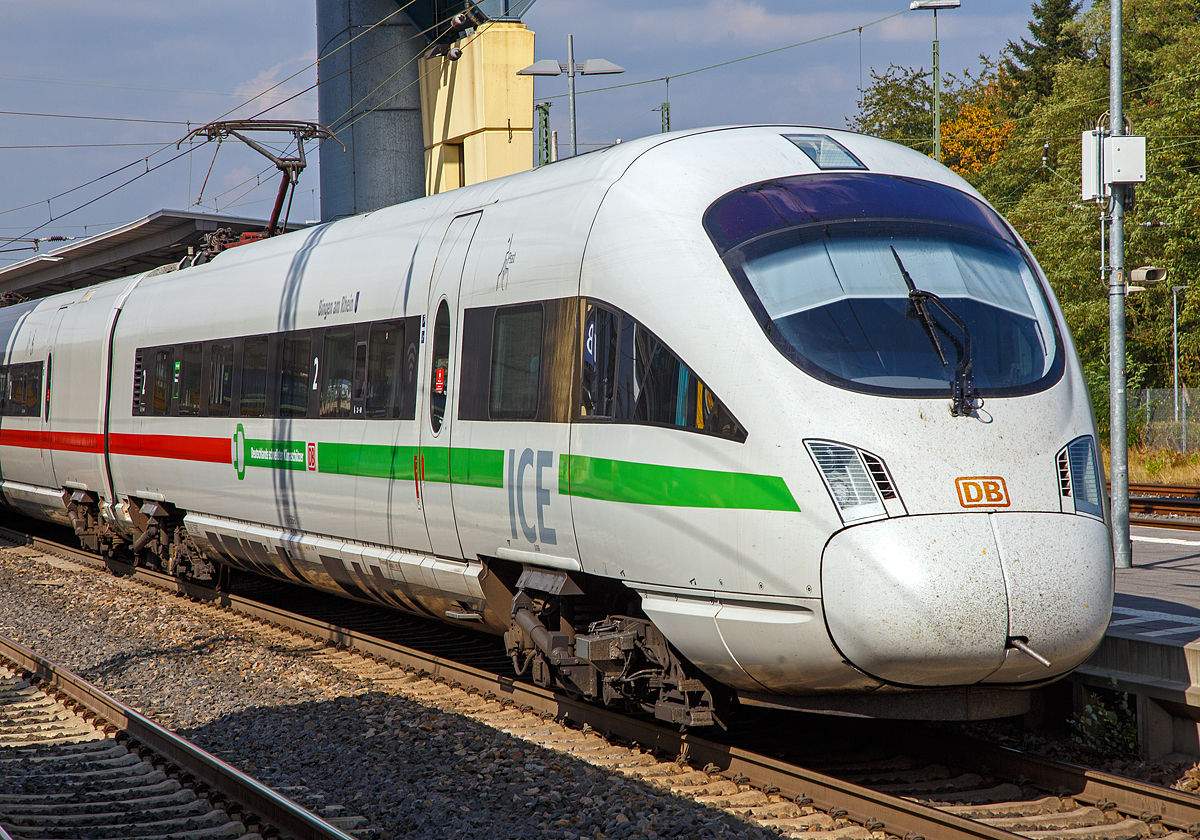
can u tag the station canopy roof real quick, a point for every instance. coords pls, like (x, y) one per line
(159, 239)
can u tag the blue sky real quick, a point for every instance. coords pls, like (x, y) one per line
(156, 66)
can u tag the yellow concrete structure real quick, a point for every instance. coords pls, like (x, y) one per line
(477, 113)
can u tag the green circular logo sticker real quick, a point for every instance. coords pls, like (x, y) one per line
(239, 452)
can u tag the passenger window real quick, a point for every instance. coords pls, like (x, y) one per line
(253, 402)
(220, 379)
(189, 379)
(33, 389)
(439, 382)
(359, 391)
(296, 372)
(139, 383)
(383, 369)
(516, 363)
(164, 377)
(337, 359)
(15, 404)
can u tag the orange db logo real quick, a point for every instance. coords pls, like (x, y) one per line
(982, 491)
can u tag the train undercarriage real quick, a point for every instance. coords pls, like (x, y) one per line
(577, 632)
(618, 659)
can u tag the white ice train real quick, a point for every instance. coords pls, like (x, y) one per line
(781, 413)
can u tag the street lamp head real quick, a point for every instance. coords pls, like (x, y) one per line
(545, 67)
(599, 67)
(917, 5)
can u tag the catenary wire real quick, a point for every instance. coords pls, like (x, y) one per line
(168, 122)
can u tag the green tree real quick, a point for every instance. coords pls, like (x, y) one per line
(1027, 164)
(1031, 64)
(897, 106)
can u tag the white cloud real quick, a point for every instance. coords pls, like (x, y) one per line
(273, 89)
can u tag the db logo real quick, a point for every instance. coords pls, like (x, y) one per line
(312, 456)
(982, 491)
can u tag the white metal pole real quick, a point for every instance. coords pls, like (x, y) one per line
(1118, 430)
(571, 90)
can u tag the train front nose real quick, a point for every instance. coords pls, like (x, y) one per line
(934, 600)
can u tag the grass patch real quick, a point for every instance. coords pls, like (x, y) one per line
(1161, 466)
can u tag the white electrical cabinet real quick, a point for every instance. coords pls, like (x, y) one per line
(1124, 160)
(1092, 176)
(1110, 160)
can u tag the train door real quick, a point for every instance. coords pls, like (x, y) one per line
(47, 394)
(395, 346)
(442, 329)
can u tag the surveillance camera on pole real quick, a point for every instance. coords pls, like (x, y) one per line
(1145, 276)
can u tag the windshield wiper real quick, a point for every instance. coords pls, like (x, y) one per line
(962, 389)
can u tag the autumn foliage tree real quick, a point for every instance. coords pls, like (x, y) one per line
(978, 131)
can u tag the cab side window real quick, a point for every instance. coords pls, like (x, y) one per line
(629, 375)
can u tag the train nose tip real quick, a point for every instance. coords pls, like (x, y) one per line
(934, 600)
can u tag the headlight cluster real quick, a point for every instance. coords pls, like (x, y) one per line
(1079, 478)
(857, 481)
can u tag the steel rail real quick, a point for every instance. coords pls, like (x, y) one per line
(270, 807)
(1185, 491)
(1159, 499)
(1177, 808)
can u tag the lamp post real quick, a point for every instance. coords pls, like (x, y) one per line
(591, 67)
(916, 5)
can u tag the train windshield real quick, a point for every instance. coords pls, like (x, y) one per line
(821, 260)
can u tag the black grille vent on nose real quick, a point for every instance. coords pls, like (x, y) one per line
(1064, 474)
(879, 476)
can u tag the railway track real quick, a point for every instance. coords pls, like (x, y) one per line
(1164, 505)
(75, 762)
(913, 784)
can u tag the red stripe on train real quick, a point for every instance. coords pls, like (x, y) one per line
(176, 447)
(61, 441)
(73, 442)
(24, 438)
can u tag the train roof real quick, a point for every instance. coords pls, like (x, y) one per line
(709, 161)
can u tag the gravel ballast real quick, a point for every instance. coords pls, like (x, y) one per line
(355, 750)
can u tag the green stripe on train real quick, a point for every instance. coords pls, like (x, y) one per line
(478, 467)
(604, 479)
(274, 454)
(652, 484)
(368, 460)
